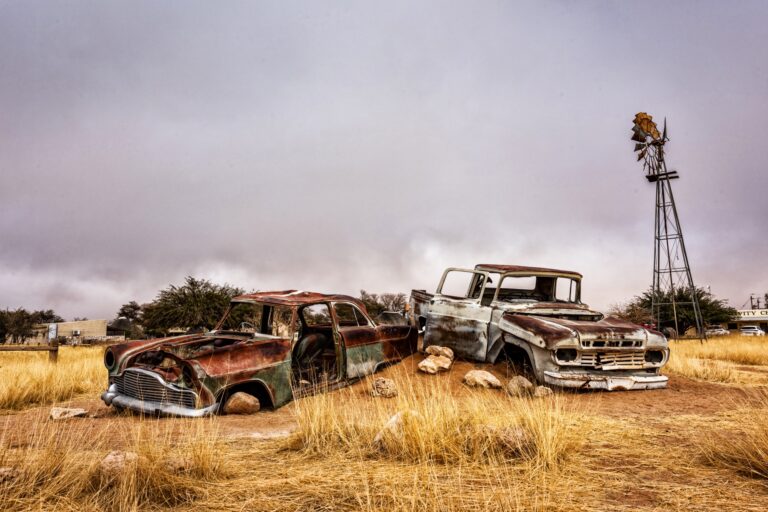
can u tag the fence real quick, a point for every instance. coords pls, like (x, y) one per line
(52, 349)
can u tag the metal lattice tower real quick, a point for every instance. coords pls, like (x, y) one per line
(672, 279)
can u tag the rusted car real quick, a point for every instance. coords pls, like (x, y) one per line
(275, 346)
(535, 316)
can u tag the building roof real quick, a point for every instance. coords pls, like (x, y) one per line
(492, 267)
(294, 298)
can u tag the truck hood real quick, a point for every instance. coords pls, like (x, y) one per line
(548, 331)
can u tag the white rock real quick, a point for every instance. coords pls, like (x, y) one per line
(394, 426)
(520, 386)
(116, 461)
(435, 350)
(481, 378)
(434, 364)
(542, 391)
(60, 413)
(242, 403)
(384, 387)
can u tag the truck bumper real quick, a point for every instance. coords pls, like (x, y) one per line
(603, 381)
(112, 397)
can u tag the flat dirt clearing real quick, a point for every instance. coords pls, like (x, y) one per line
(642, 450)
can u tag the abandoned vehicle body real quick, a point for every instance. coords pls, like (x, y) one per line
(274, 346)
(536, 315)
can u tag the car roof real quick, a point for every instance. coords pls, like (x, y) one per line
(296, 298)
(520, 269)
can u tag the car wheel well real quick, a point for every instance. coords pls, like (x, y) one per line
(253, 388)
(518, 358)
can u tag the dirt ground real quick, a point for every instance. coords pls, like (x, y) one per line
(682, 397)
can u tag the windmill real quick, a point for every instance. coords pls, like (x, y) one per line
(672, 277)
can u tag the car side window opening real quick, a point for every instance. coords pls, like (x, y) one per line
(566, 290)
(349, 316)
(316, 315)
(462, 284)
(281, 321)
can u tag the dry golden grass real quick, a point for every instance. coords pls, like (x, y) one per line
(744, 446)
(746, 350)
(437, 427)
(716, 359)
(27, 378)
(710, 370)
(59, 469)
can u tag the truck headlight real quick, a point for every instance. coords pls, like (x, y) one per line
(654, 356)
(566, 354)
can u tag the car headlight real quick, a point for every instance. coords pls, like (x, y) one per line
(109, 359)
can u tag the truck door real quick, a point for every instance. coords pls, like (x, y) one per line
(457, 317)
(362, 347)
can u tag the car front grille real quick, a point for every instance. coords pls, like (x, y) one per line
(145, 385)
(618, 359)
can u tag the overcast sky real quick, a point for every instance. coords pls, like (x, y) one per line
(335, 146)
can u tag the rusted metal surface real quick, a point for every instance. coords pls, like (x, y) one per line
(566, 343)
(520, 269)
(214, 365)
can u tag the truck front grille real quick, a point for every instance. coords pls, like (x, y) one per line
(615, 359)
(611, 343)
(145, 385)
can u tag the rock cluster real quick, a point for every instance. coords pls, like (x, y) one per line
(116, 462)
(394, 426)
(242, 403)
(438, 359)
(482, 379)
(384, 388)
(520, 386)
(61, 413)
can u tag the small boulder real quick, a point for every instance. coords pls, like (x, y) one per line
(8, 474)
(434, 364)
(481, 378)
(515, 439)
(384, 387)
(61, 413)
(394, 426)
(520, 386)
(436, 350)
(178, 464)
(242, 403)
(116, 462)
(542, 391)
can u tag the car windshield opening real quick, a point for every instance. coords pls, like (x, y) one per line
(261, 319)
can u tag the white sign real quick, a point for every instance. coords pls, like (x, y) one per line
(53, 330)
(757, 315)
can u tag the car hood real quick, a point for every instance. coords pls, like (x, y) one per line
(216, 354)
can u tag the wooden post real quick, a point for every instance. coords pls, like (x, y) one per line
(53, 352)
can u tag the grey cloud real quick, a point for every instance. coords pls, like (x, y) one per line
(342, 146)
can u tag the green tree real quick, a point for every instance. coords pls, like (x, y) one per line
(713, 310)
(18, 325)
(47, 316)
(3, 327)
(131, 311)
(376, 304)
(197, 304)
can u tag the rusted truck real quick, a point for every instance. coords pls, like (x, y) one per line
(274, 346)
(535, 316)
